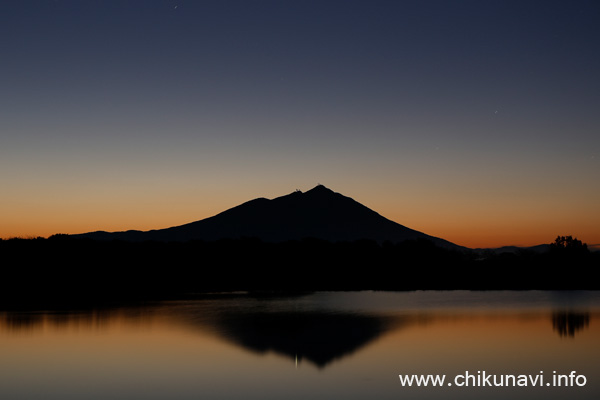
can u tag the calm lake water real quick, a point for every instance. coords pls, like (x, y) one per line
(326, 345)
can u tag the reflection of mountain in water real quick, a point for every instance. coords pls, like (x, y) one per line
(319, 337)
(566, 323)
(296, 329)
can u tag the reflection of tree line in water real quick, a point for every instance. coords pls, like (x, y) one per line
(567, 323)
(92, 319)
(317, 336)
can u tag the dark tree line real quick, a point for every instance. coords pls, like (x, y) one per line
(64, 269)
(568, 246)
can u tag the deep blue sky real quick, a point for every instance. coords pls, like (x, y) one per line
(476, 121)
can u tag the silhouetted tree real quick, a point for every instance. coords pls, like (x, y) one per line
(568, 245)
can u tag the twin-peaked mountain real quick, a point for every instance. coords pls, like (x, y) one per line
(318, 213)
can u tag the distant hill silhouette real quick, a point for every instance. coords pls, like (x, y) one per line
(318, 213)
(538, 249)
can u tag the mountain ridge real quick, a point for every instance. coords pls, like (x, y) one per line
(317, 213)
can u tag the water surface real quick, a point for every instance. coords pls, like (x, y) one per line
(347, 345)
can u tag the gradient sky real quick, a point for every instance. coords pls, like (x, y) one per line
(475, 121)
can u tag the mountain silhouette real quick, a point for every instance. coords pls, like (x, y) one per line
(319, 213)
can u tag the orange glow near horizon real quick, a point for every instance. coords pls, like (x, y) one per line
(461, 224)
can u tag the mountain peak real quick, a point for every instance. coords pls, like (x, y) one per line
(320, 189)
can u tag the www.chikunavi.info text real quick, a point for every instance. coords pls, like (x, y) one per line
(483, 379)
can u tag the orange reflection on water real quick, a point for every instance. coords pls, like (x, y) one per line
(201, 348)
(502, 342)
